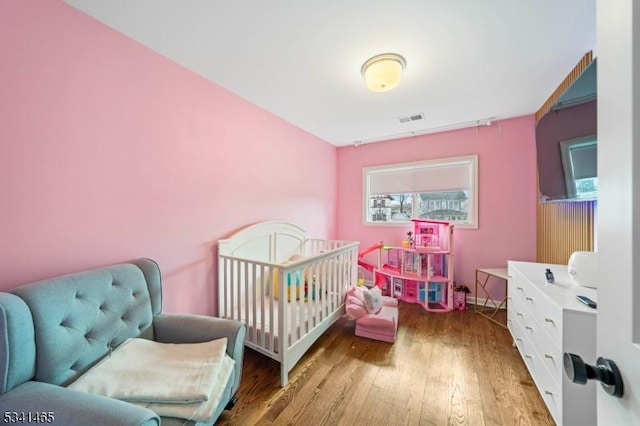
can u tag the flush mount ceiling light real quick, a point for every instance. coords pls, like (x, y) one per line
(382, 72)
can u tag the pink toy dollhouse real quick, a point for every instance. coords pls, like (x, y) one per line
(422, 273)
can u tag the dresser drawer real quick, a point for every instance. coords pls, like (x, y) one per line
(547, 315)
(519, 314)
(511, 312)
(519, 338)
(550, 352)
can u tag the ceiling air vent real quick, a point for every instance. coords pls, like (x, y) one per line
(410, 118)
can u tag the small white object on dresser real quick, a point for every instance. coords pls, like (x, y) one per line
(546, 320)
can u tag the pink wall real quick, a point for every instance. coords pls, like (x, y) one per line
(111, 152)
(506, 186)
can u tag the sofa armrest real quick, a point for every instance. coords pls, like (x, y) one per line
(186, 328)
(70, 407)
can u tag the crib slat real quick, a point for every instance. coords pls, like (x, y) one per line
(222, 286)
(244, 295)
(303, 300)
(320, 295)
(231, 289)
(273, 302)
(263, 270)
(290, 294)
(238, 292)
(251, 315)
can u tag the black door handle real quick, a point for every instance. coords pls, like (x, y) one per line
(605, 371)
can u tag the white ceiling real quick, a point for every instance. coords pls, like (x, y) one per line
(467, 60)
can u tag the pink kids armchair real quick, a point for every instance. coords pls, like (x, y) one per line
(376, 315)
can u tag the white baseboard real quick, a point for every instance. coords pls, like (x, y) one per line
(481, 301)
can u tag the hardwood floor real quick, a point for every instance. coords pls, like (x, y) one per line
(444, 369)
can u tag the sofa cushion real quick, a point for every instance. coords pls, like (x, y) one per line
(78, 318)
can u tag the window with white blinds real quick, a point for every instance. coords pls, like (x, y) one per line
(584, 161)
(580, 167)
(444, 189)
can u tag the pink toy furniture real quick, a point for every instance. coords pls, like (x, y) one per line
(421, 272)
(376, 315)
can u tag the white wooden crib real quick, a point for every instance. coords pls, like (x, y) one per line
(287, 305)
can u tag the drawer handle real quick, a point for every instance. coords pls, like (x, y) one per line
(520, 313)
(520, 288)
(519, 339)
(548, 392)
(548, 356)
(549, 320)
(530, 299)
(529, 356)
(529, 328)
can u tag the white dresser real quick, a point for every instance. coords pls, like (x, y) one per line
(545, 321)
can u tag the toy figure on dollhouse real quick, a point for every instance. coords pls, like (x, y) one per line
(410, 240)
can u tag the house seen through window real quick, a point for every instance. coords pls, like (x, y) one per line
(444, 189)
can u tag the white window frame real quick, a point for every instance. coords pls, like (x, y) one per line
(471, 161)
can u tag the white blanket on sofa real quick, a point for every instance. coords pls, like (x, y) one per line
(181, 380)
(198, 411)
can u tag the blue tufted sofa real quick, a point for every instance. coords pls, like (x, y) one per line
(54, 330)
